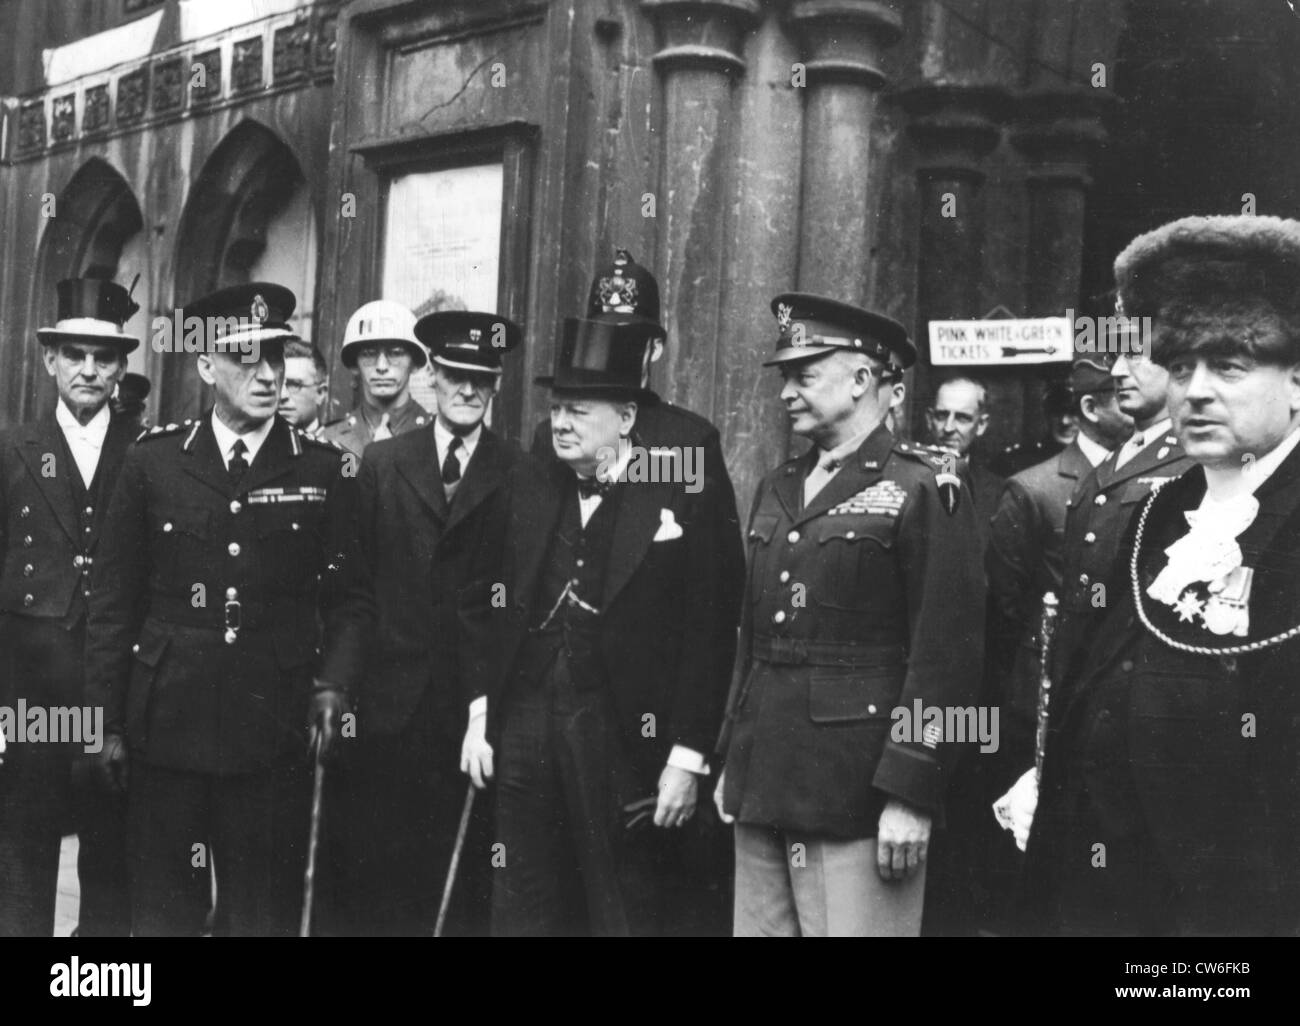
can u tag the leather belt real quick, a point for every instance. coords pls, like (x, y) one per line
(803, 652)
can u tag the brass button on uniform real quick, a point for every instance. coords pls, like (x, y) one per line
(294, 526)
(792, 537)
(28, 570)
(1126, 665)
(27, 541)
(78, 560)
(167, 527)
(233, 548)
(90, 511)
(871, 710)
(779, 616)
(785, 576)
(1100, 500)
(1084, 579)
(25, 512)
(235, 506)
(1089, 538)
(28, 599)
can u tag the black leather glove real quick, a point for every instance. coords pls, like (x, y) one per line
(110, 765)
(325, 718)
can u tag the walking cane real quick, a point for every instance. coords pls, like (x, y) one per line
(1046, 632)
(313, 839)
(455, 861)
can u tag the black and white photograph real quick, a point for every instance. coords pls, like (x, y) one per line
(665, 469)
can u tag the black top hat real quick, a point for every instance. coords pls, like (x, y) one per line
(602, 359)
(467, 340)
(258, 311)
(624, 292)
(91, 310)
(815, 325)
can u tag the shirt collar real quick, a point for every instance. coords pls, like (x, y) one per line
(252, 439)
(1157, 430)
(1094, 452)
(96, 427)
(844, 450)
(442, 437)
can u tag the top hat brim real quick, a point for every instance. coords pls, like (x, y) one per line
(601, 390)
(53, 336)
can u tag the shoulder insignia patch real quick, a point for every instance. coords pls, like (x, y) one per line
(883, 497)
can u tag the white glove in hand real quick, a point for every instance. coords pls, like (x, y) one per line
(1015, 809)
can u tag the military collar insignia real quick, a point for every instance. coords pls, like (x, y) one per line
(884, 498)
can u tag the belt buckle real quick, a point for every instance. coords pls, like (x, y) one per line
(233, 620)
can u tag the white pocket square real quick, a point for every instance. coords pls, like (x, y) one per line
(669, 528)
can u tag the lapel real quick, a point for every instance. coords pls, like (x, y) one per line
(116, 442)
(1143, 463)
(482, 474)
(418, 465)
(44, 438)
(1072, 463)
(789, 486)
(274, 459)
(534, 514)
(634, 531)
(860, 470)
(1268, 544)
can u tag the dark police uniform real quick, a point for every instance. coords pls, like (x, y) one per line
(205, 614)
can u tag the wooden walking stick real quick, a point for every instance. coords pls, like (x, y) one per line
(313, 838)
(455, 861)
(1045, 634)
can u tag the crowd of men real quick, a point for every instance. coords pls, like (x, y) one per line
(551, 693)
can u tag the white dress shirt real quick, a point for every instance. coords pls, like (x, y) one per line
(1093, 452)
(226, 438)
(468, 443)
(86, 440)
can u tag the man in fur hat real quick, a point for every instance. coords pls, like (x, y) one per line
(1170, 800)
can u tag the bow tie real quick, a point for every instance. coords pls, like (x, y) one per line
(589, 486)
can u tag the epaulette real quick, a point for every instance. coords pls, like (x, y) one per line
(319, 440)
(932, 455)
(160, 431)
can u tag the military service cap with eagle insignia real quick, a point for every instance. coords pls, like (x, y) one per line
(811, 326)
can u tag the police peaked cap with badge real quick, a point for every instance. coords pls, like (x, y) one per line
(381, 320)
(467, 340)
(812, 326)
(240, 314)
(92, 310)
(1205, 281)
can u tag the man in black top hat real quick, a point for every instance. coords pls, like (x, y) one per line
(55, 479)
(594, 627)
(865, 601)
(226, 544)
(400, 788)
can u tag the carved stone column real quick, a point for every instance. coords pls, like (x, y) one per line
(700, 44)
(843, 43)
(954, 127)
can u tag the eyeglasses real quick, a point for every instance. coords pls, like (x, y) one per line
(369, 355)
(295, 386)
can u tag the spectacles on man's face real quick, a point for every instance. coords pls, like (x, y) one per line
(296, 386)
(369, 355)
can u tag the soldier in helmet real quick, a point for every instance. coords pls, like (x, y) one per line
(379, 344)
(57, 475)
(225, 545)
(865, 599)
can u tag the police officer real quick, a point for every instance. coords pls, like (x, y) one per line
(224, 543)
(55, 479)
(379, 344)
(864, 597)
(400, 789)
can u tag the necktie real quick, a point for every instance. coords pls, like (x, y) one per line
(451, 465)
(383, 431)
(589, 486)
(238, 466)
(1131, 448)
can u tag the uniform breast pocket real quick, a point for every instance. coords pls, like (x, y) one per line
(182, 538)
(855, 554)
(290, 545)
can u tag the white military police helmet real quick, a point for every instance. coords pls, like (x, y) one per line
(381, 321)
